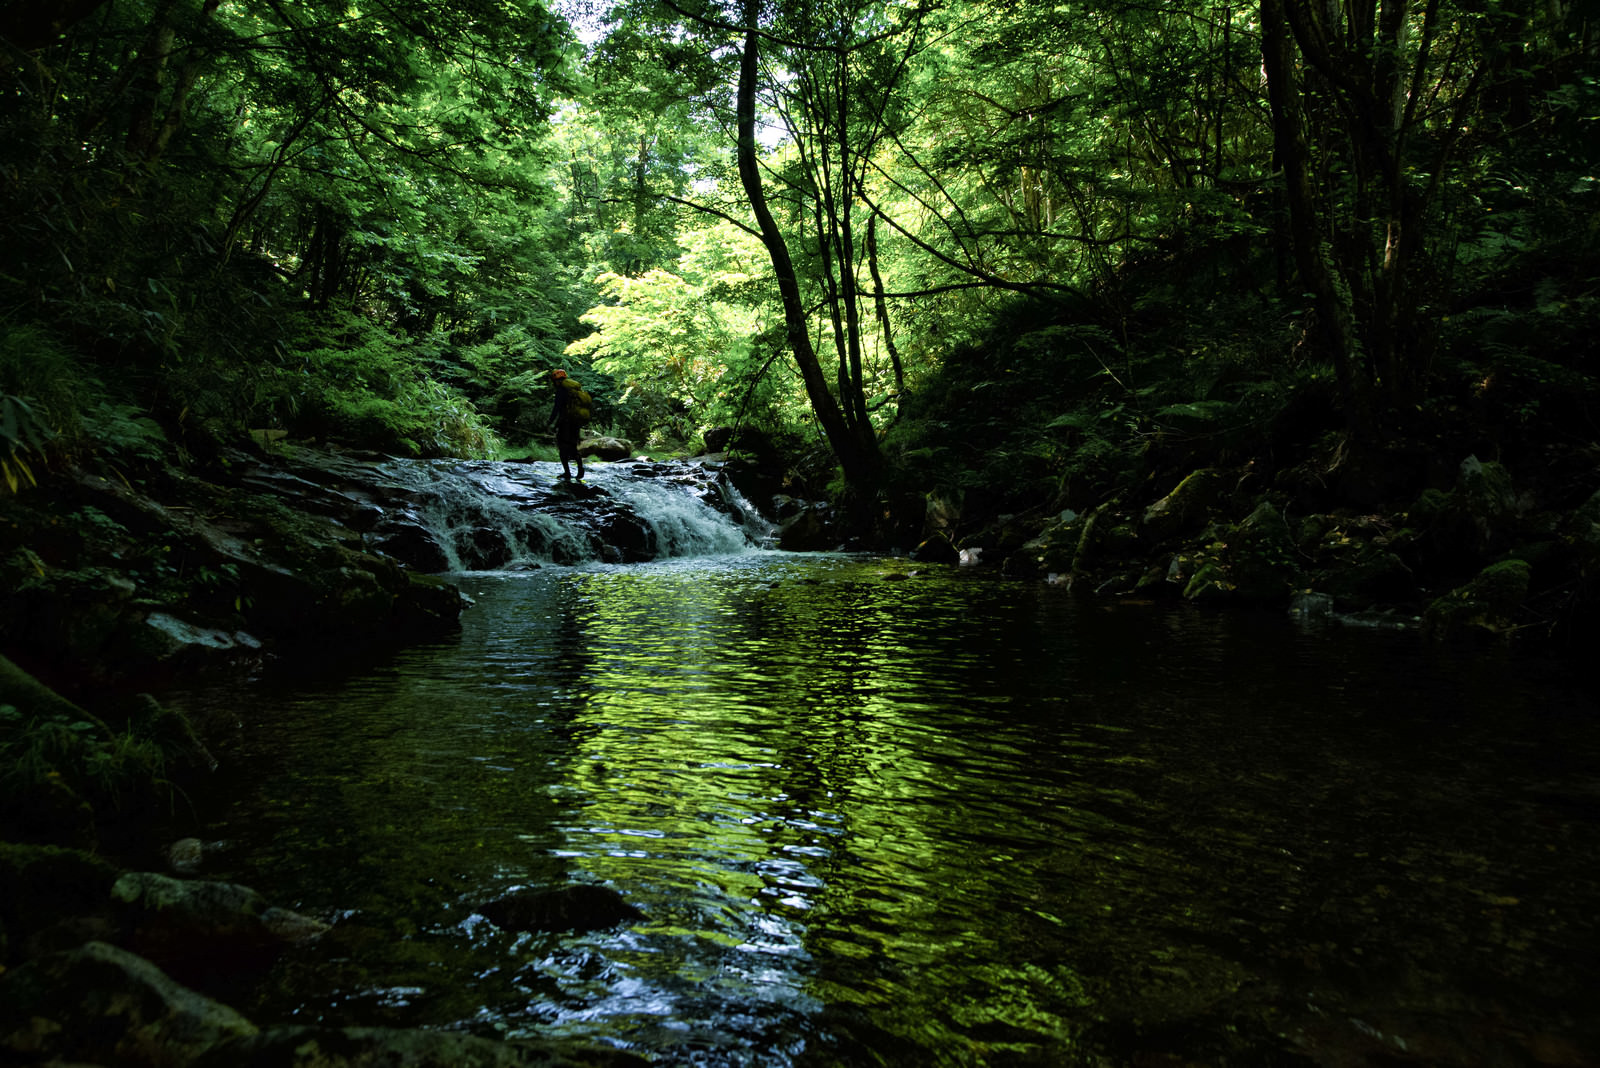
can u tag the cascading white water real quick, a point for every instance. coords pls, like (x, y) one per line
(508, 515)
(682, 524)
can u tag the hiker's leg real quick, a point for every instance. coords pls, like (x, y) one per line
(568, 454)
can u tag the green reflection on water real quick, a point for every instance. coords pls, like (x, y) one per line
(926, 820)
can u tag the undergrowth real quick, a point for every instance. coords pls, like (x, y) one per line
(104, 767)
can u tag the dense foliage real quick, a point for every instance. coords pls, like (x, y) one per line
(1044, 248)
(294, 214)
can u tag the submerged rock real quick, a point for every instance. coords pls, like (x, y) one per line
(579, 907)
(1309, 605)
(187, 855)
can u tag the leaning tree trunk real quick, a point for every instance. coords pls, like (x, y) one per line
(857, 453)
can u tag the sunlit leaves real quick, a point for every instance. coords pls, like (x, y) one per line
(668, 339)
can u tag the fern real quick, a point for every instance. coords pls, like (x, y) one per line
(123, 432)
(20, 432)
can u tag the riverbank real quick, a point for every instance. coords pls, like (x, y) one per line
(1470, 525)
(1478, 558)
(123, 580)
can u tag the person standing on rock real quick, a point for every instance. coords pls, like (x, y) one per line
(567, 421)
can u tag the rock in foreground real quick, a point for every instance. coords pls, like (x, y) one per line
(581, 907)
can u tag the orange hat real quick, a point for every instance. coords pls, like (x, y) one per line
(558, 375)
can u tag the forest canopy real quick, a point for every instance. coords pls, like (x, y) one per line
(941, 243)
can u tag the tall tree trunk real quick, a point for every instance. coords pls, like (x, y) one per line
(155, 121)
(326, 258)
(1335, 325)
(857, 455)
(150, 76)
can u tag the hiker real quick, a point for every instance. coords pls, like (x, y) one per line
(567, 420)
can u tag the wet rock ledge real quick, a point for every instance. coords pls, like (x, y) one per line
(131, 578)
(98, 1004)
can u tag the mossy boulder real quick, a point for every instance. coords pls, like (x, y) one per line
(198, 926)
(60, 761)
(98, 1004)
(1480, 517)
(426, 604)
(1485, 487)
(604, 448)
(936, 548)
(1102, 537)
(144, 582)
(810, 530)
(1261, 555)
(72, 613)
(1186, 508)
(1052, 549)
(1253, 559)
(1120, 537)
(68, 765)
(34, 699)
(358, 599)
(1004, 539)
(1208, 580)
(1486, 604)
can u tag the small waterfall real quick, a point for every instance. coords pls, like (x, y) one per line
(681, 523)
(484, 515)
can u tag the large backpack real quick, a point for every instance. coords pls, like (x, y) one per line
(578, 402)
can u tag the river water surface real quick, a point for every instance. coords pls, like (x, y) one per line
(878, 817)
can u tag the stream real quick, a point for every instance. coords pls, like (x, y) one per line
(876, 812)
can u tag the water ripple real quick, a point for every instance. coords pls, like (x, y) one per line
(928, 820)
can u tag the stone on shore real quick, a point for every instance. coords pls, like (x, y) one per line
(99, 1004)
